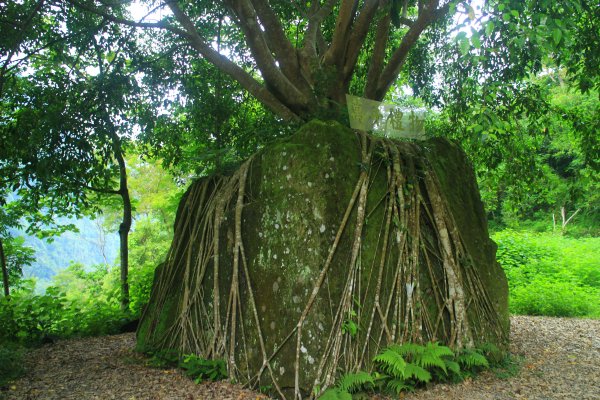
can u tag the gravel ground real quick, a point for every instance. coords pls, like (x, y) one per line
(559, 359)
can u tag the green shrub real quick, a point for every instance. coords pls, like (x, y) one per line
(549, 274)
(555, 298)
(11, 362)
(200, 369)
(197, 368)
(30, 319)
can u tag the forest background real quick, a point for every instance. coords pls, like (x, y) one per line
(143, 123)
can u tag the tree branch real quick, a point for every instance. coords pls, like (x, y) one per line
(358, 36)
(102, 190)
(274, 78)
(428, 14)
(122, 21)
(19, 39)
(277, 40)
(335, 53)
(230, 68)
(376, 66)
(316, 16)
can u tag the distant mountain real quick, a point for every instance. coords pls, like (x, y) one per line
(90, 246)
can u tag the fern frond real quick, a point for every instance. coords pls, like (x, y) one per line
(335, 394)
(392, 362)
(428, 360)
(492, 353)
(453, 366)
(470, 358)
(408, 349)
(397, 385)
(353, 382)
(438, 350)
(417, 372)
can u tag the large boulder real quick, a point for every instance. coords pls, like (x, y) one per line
(323, 248)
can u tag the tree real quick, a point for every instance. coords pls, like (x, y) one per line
(66, 115)
(300, 59)
(305, 55)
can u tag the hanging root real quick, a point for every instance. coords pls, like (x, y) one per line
(420, 286)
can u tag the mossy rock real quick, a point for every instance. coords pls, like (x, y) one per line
(315, 273)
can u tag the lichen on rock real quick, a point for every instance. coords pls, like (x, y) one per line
(326, 230)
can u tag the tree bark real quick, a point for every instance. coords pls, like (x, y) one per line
(4, 271)
(125, 225)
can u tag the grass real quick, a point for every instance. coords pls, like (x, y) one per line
(549, 274)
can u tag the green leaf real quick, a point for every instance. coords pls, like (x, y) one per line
(557, 35)
(476, 40)
(110, 57)
(464, 46)
(417, 372)
(471, 12)
(353, 382)
(489, 27)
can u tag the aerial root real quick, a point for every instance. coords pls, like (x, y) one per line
(417, 237)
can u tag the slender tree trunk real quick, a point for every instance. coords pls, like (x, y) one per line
(4, 271)
(125, 225)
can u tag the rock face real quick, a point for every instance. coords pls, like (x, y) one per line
(320, 250)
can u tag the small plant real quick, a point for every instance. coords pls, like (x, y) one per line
(197, 368)
(404, 367)
(166, 358)
(201, 370)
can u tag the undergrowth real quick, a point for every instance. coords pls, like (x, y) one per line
(549, 274)
(11, 362)
(196, 368)
(405, 367)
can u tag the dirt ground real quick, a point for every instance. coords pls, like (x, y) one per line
(558, 358)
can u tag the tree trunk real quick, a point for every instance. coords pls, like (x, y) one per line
(4, 271)
(125, 225)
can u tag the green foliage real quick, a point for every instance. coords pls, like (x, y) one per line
(11, 362)
(353, 382)
(164, 358)
(470, 359)
(335, 394)
(549, 274)
(18, 256)
(201, 370)
(404, 367)
(198, 369)
(79, 305)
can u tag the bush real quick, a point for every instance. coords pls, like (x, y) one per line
(31, 319)
(11, 362)
(550, 274)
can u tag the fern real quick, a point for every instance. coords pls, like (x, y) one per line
(335, 394)
(438, 350)
(397, 385)
(453, 366)
(408, 350)
(417, 372)
(470, 358)
(403, 367)
(432, 356)
(391, 362)
(494, 355)
(353, 382)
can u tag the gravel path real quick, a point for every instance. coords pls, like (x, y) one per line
(560, 359)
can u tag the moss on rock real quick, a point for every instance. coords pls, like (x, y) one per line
(321, 249)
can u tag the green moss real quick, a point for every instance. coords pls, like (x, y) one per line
(297, 192)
